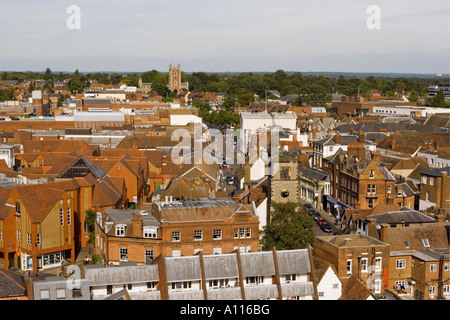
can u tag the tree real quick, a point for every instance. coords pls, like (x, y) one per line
(89, 219)
(438, 100)
(289, 228)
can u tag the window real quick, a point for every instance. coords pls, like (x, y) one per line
(241, 233)
(28, 238)
(198, 235)
(254, 280)
(38, 240)
(236, 233)
(424, 180)
(372, 174)
(389, 189)
(217, 250)
(150, 232)
(290, 277)
(400, 264)
(176, 236)
(446, 290)
(69, 213)
(431, 181)
(217, 234)
(370, 203)
(425, 243)
(181, 285)
(364, 265)
(148, 254)
(18, 210)
(61, 216)
(123, 254)
(19, 235)
(120, 230)
(406, 244)
(45, 294)
(374, 188)
(349, 266)
(377, 286)
(432, 290)
(433, 267)
(222, 283)
(378, 263)
(285, 174)
(447, 267)
(60, 293)
(248, 232)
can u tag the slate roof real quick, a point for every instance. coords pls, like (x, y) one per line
(11, 284)
(436, 172)
(405, 215)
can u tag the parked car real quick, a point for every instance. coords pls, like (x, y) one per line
(308, 207)
(325, 227)
(320, 221)
(316, 215)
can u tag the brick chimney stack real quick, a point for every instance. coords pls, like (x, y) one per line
(137, 225)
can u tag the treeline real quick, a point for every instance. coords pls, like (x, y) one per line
(242, 88)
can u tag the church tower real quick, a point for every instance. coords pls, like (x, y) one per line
(175, 79)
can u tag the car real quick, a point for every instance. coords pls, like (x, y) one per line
(308, 207)
(325, 227)
(316, 215)
(320, 221)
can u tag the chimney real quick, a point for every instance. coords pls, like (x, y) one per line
(362, 136)
(384, 232)
(337, 139)
(137, 225)
(376, 156)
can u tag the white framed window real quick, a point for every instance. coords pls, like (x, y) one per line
(349, 266)
(372, 174)
(400, 264)
(217, 234)
(424, 179)
(377, 288)
(446, 266)
(425, 243)
(120, 230)
(242, 233)
(198, 235)
(446, 290)
(389, 189)
(248, 233)
(28, 238)
(149, 254)
(176, 236)
(45, 294)
(236, 233)
(431, 181)
(432, 290)
(38, 239)
(150, 232)
(17, 210)
(433, 267)
(123, 254)
(217, 250)
(60, 293)
(364, 265)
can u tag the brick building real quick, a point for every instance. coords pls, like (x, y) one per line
(177, 228)
(435, 189)
(362, 256)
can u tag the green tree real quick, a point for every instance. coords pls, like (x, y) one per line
(90, 216)
(288, 229)
(438, 101)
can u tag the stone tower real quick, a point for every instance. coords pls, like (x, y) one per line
(284, 184)
(175, 79)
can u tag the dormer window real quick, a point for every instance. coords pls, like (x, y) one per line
(120, 230)
(425, 243)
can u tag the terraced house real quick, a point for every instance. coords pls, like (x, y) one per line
(176, 228)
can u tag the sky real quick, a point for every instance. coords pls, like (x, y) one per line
(226, 36)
